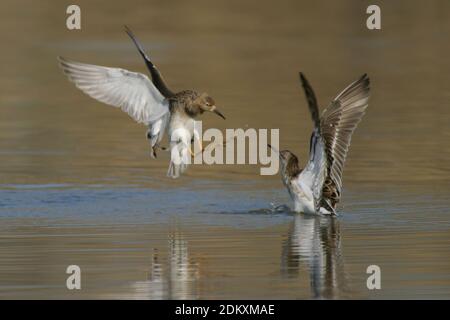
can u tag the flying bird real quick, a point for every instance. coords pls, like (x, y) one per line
(317, 188)
(151, 103)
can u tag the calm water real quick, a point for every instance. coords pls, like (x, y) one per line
(77, 185)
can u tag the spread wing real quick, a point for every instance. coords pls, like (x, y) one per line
(157, 78)
(132, 92)
(338, 123)
(315, 171)
(330, 142)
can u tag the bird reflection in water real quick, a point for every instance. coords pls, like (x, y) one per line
(174, 279)
(313, 243)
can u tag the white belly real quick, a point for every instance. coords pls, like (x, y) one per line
(180, 136)
(303, 198)
(304, 205)
(177, 123)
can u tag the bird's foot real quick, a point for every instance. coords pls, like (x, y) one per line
(153, 153)
(156, 147)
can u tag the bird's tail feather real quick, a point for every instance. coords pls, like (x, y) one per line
(175, 170)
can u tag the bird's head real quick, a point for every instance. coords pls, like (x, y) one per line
(289, 163)
(205, 102)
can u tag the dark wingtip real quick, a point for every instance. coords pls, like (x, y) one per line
(302, 76)
(303, 80)
(366, 80)
(364, 77)
(156, 76)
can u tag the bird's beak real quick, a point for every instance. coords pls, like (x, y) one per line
(275, 150)
(214, 109)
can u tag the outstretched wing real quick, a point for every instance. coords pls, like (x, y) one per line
(157, 78)
(133, 92)
(315, 171)
(338, 123)
(312, 100)
(331, 140)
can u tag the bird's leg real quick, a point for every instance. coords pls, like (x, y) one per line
(201, 146)
(190, 148)
(153, 153)
(160, 147)
(216, 143)
(156, 147)
(197, 137)
(190, 151)
(152, 148)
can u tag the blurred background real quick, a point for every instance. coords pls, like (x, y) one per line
(77, 185)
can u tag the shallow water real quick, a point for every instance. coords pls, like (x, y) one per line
(77, 185)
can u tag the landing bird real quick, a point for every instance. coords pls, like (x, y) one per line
(151, 103)
(317, 187)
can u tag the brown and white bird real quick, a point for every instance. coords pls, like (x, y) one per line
(317, 188)
(151, 103)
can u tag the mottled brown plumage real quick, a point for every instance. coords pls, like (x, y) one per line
(331, 193)
(317, 187)
(289, 162)
(185, 103)
(191, 103)
(188, 101)
(151, 103)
